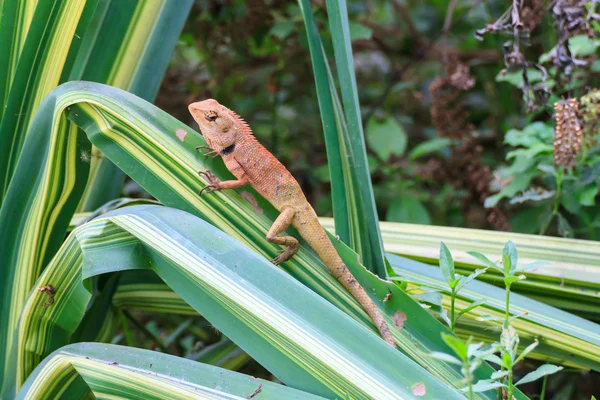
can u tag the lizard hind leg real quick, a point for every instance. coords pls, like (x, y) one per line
(291, 244)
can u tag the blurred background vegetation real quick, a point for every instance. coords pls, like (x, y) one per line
(455, 135)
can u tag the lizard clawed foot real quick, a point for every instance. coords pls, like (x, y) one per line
(208, 153)
(213, 182)
(208, 189)
(285, 255)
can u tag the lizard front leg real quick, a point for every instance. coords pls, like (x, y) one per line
(215, 184)
(281, 223)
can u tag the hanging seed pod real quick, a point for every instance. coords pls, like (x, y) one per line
(568, 135)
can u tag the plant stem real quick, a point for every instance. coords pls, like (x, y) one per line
(507, 311)
(469, 379)
(543, 394)
(510, 384)
(452, 298)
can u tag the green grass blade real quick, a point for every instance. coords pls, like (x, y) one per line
(574, 340)
(297, 335)
(109, 371)
(332, 119)
(367, 223)
(352, 193)
(143, 141)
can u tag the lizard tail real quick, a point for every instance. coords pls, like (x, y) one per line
(310, 229)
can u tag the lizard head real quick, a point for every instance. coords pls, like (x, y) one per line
(219, 125)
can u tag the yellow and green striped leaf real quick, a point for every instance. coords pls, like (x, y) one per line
(92, 370)
(123, 43)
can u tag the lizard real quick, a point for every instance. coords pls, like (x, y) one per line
(230, 137)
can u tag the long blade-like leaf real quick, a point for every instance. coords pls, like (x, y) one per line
(40, 65)
(293, 332)
(146, 143)
(352, 192)
(108, 371)
(15, 17)
(131, 51)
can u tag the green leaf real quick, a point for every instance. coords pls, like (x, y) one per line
(457, 345)
(546, 369)
(564, 227)
(359, 31)
(516, 78)
(499, 374)
(464, 280)
(446, 357)
(509, 257)
(445, 317)
(583, 45)
(486, 261)
(530, 266)
(282, 29)
(495, 359)
(16, 19)
(125, 372)
(471, 306)
(428, 147)
(588, 195)
(485, 385)
(446, 264)
(386, 137)
(527, 350)
(408, 209)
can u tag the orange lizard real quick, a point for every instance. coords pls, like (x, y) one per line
(229, 136)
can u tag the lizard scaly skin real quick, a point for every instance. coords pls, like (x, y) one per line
(230, 137)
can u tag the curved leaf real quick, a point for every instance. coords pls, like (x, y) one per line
(104, 370)
(352, 192)
(293, 332)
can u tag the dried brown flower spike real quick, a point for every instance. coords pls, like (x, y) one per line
(568, 135)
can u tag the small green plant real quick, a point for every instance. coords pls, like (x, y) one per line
(470, 356)
(507, 347)
(509, 269)
(455, 283)
(503, 353)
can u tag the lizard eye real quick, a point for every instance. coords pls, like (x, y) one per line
(210, 116)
